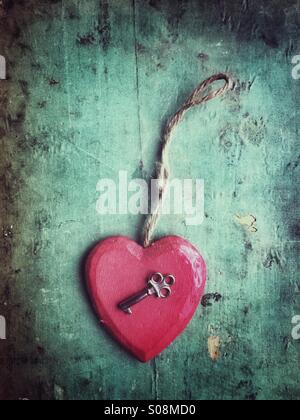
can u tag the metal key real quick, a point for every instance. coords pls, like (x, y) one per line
(158, 285)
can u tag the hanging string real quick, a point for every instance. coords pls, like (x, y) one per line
(198, 97)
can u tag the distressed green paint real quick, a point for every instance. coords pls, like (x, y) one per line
(90, 85)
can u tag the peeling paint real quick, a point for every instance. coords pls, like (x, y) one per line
(214, 348)
(247, 221)
(253, 130)
(208, 298)
(274, 256)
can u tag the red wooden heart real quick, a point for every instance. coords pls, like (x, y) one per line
(118, 268)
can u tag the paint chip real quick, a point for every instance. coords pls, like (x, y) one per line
(214, 348)
(248, 221)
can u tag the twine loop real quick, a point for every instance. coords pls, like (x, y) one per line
(198, 97)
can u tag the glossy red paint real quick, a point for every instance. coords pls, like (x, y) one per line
(118, 268)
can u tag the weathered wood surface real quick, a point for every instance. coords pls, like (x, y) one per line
(90, 84)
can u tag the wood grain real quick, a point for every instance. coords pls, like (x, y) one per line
(90, 86)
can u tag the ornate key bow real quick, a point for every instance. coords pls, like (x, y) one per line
(158, 285)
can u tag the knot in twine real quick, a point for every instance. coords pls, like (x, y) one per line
(198, 97)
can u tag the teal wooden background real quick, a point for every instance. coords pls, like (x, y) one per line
(90, 85)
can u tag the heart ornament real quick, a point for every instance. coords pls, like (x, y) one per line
(118, 268)
(146, 295)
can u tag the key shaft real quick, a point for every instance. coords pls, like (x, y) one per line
(125, 306)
